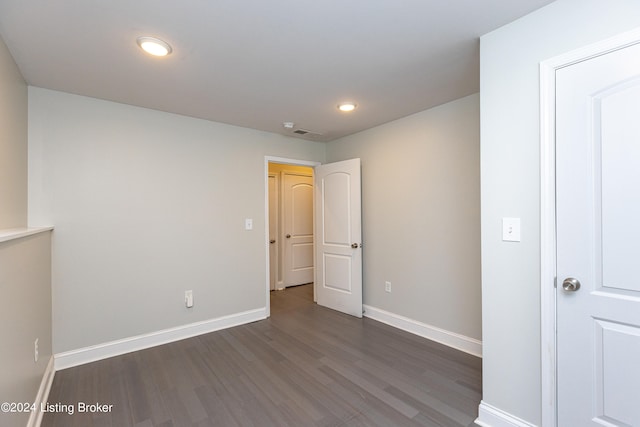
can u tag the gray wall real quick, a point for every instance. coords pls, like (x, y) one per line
(421, 214)
(25, 266)
(510, 163)
(147, 205)
(13, 143)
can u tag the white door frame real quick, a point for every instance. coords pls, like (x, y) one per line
(548, 209)
(286, 161)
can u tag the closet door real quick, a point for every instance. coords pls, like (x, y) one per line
(297, 228)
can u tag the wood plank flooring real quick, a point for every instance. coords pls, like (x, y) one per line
(304, 366)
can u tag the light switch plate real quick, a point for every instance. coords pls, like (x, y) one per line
(248, 224)
(511, 229)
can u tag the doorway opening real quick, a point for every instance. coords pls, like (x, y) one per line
(290, 224)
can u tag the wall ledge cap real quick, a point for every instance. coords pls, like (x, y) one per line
(8, 234)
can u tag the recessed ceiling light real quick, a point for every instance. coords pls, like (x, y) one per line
(346, 107)
(153, 46)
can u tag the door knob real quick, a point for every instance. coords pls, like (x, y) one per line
(354, 245)
(288, 236)
(272, 241)
(570, 284)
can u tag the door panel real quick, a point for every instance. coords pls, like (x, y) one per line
(617, 365)
(598, 240)
(337, 272)
(336, 188)
(339, 234)
(619, 112)
(302, 259)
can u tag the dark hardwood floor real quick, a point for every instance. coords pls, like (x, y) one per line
(304, 366)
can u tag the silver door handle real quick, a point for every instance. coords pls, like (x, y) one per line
(355, 245)
(272, 241)
(570, 284)
(288, 236)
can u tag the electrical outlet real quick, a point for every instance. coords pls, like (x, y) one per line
(387, 286)
(35, 350)
(188, 298)
(511, 229)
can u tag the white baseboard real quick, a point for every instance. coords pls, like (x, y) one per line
(93, 353)
(451, 339)
(490, 416)
(35, 418)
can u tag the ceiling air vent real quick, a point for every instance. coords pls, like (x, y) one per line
(290, 126)
(307, 133)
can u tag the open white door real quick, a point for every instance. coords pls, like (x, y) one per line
(338, 236)
(598, 240)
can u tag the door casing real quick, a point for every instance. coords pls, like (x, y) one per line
(548, 209)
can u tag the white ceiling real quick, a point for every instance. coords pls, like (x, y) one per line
(258, 63)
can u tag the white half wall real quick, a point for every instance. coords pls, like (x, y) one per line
(25, 315)
(421, 215)
(147, 205)
(510, 156)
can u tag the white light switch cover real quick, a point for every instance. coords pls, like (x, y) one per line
(248, 224)
(511, 229)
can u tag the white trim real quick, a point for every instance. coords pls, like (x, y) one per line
(35, 418)
(285, 161)
(490, 416)
(294, 162)
(548, 209)
(93, 353)
(547, 244)
(433, 333)
(17, 233)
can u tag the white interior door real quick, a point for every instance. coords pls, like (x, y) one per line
(298, 229)
(339, 236)
(598, 240)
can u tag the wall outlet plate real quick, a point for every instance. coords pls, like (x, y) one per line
(511, 229)
(387, 286)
